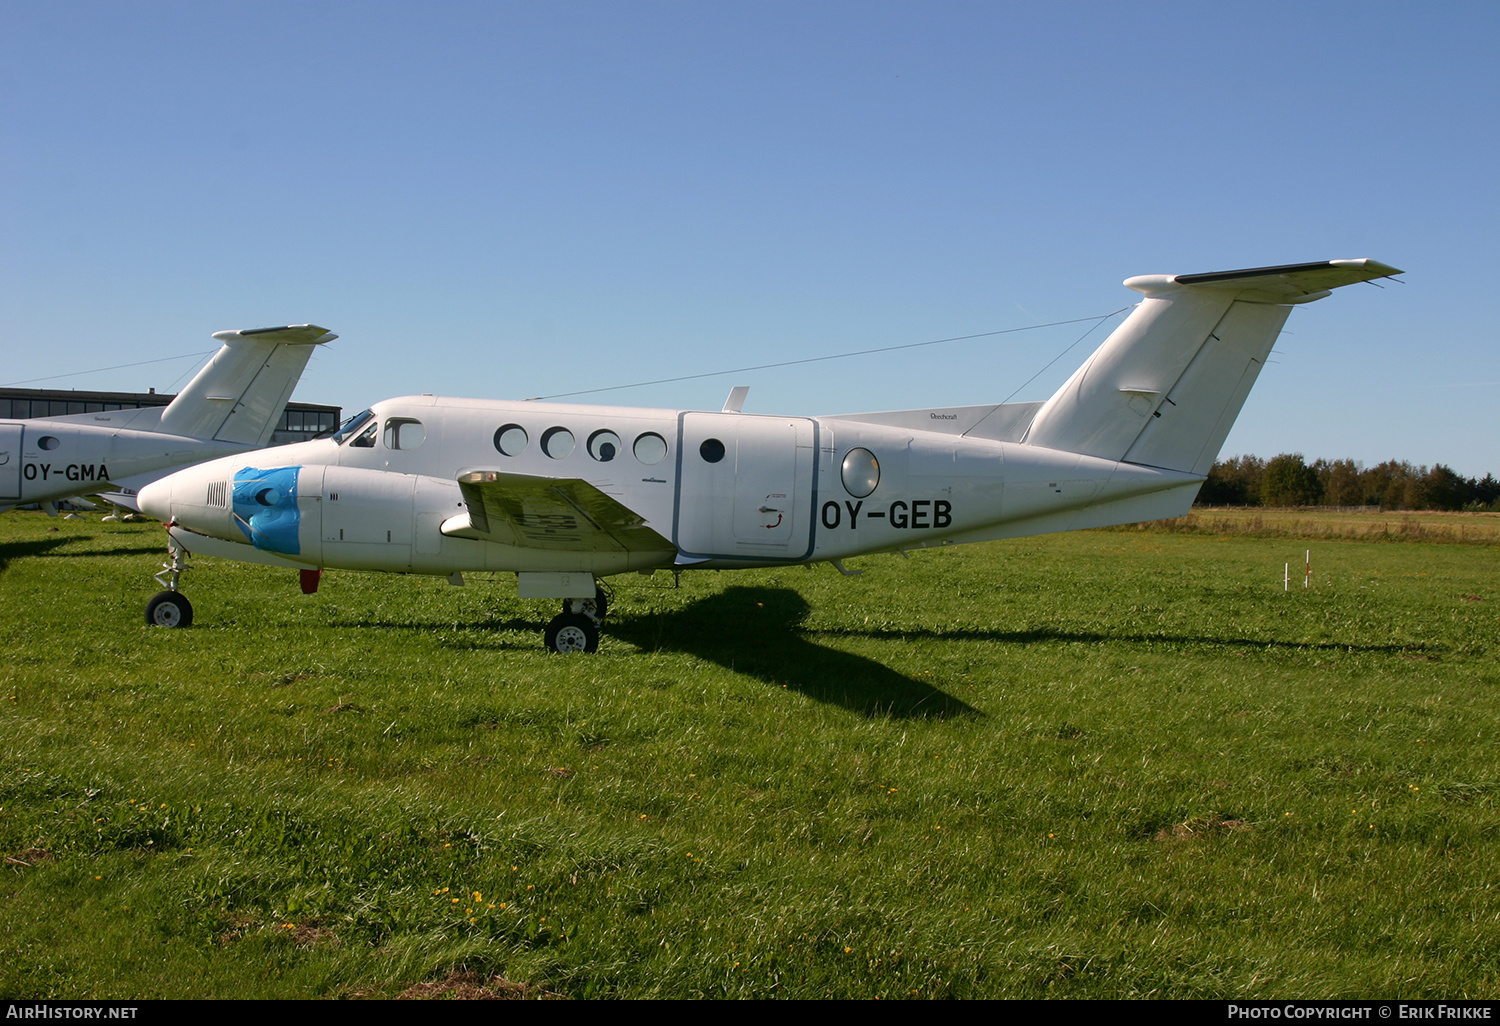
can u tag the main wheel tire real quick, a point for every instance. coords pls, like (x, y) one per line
(596, 606)
(572, 632)
(169, 609)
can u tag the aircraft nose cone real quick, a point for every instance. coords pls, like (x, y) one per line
(155, 499)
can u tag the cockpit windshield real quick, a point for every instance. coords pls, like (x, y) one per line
(351, 426)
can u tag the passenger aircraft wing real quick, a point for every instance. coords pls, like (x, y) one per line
(568, 515)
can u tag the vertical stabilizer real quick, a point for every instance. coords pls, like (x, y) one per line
(1164, 389)
(240, 394)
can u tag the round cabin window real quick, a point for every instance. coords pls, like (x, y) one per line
(650, 448)
(604, 446)
(558, 442)
(511, 440)
(861, 472)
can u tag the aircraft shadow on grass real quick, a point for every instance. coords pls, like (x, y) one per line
(1042, 635)
(758, 631)
(27, 549)
(118, 550)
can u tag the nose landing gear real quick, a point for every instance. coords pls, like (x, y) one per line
(170, 608)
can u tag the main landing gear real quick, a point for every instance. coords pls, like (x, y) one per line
(170, 608)
(576, 628)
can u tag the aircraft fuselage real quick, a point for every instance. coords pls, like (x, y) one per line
(725, 489)
(51, 458)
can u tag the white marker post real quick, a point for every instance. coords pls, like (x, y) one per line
(1307, 574)
(1286, 577)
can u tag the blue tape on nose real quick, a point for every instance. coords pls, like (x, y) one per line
(265, 508)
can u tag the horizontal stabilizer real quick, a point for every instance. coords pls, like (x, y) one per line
(1291, 281)
(286, 335)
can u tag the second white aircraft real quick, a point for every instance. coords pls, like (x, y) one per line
(564, 494)
(231, 405)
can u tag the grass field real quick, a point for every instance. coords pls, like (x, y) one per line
(1109, 764)
(1316, 524)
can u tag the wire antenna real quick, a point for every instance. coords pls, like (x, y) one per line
(101, 370)
(844, 356)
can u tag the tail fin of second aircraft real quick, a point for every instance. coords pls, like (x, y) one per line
(240, 394)
(1164, 389)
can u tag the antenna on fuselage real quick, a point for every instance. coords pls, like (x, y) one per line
(736, 401)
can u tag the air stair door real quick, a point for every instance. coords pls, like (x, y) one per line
(745, 487)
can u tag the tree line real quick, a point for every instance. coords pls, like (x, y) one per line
(1288, 480)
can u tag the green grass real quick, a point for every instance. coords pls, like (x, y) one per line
(1094, 765)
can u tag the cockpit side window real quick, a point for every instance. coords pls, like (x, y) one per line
(350, 426)
(366, 438)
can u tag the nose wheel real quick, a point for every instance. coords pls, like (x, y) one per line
(169, 609)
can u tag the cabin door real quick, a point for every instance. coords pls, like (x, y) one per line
(745, 486)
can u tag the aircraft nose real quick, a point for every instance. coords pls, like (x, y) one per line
(155, 499)
(196, 498)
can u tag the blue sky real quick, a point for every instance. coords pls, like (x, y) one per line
(520, 199)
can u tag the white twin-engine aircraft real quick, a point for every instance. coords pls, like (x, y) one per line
(231, 405)
(564, 494)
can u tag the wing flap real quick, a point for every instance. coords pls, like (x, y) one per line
(556, 514)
